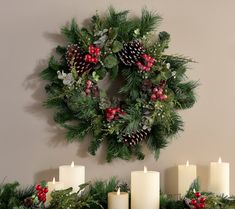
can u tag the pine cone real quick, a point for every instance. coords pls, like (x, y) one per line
(131, 53)
(136, 137)
(76, 58)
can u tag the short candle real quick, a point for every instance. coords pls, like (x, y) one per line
(53, 186)
(118, 200)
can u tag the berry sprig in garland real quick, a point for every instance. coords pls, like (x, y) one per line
(152, 85)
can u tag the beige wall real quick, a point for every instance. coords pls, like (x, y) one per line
(31, 147)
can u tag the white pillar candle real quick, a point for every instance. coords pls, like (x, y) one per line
(187, 174)
(179, 179)
(72, 176)
(145, 189)
(219, 178)
(118, 200)
(53, 186)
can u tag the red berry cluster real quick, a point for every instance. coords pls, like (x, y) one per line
(113, 113)
(148, 63)
(198, 202)
(157, 93)
(94, 53)
(91, 89)
(41, 193)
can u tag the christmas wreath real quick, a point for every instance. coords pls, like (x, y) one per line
(152, 85)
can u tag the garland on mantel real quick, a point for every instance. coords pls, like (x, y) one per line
(94, 195)
(148, 87)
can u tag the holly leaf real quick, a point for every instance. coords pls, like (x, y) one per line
(110, 61)
(117, 46)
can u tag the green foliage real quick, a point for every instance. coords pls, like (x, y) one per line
(148, 22)
(82, 110)
(92, 195)
(13, 197)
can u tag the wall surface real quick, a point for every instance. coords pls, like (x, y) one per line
(32, 146)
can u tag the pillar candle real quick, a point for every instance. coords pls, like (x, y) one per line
(118, 200)
(179, 179)
(53, 186)
(187, 174)
(219, 178)
(72, 176)
(145, 189)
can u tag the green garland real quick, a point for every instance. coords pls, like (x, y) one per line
(94, 195)
(152, 85)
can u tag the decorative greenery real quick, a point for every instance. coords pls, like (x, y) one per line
(11, 197)
(94, 195)
(152, 85)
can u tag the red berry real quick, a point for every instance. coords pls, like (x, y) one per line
(88, 83)
(88, 58)
(155, 90)
(193, 202)
(201, 205)
(153, 97)
(197, 194)
(97, 51)
(38, 187)
(152, 60)
(109, 110)
(45, 190)
(163, 97)
(202, 200)
(138, 63)
(88, 91)
(91, 49)
(113, 111)
(147, 68)
(94, 59)
(144, 56)
(150, 64)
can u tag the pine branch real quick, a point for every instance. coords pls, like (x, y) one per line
(184, 94)
(133, 81)
(148, 22)
(117, 150)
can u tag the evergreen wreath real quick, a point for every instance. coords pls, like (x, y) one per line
(152, 85)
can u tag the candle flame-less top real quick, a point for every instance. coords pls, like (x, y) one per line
(118, 191)
(72, 164)
(145, 169)
(220, 160)
(187, 163)
(53, 181)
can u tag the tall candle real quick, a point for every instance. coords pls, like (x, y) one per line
(72, 176)
(179, 179)
(219, 178)
(53, 186)
(118, 200)
(145, 189)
